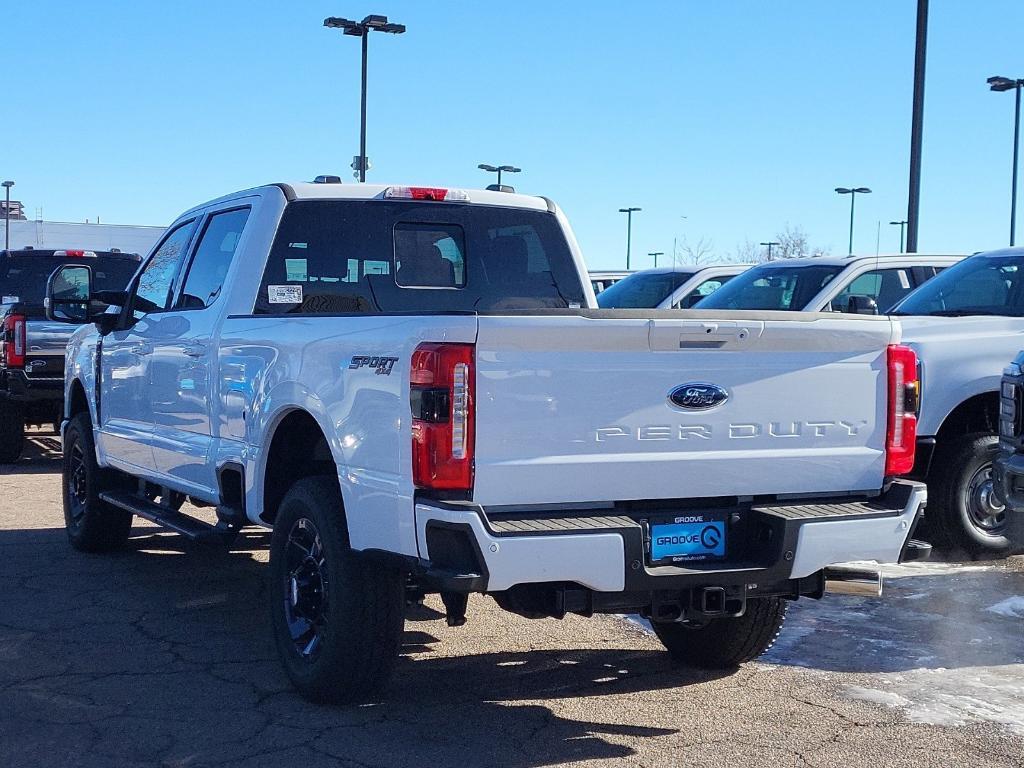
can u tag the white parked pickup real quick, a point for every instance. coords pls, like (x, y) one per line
(413, 387)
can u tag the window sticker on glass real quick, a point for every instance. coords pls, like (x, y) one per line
(10, 300)
(284, 294)
(376, 268)
(295, 269)
(904, 280)
(298, 245)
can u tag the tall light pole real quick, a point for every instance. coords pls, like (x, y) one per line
(852, 192)
(769, 245)
(917, 126)
(498, 169)
(902, 225)
(1006, 84)
(362, 29)
(7, 215)
(656, 254)
(629, 230)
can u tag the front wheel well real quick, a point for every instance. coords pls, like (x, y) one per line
(77, 401)
(297, 450)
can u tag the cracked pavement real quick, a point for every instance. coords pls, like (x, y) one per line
(161, 656)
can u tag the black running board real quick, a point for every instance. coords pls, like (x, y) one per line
(191, 528)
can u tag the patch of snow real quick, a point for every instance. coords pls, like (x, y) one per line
(954, 697)
(887, 698)
(1011, 607)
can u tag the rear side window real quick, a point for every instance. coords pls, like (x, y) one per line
(360, 257)
(213, 256)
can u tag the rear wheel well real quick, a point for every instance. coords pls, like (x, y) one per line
(976, 414)
(298, 449)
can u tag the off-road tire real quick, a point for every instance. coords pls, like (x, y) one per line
(92, 524)
(950, 525)
(359, 607)
(727, 642)
(12, 432)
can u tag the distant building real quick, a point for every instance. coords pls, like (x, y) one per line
(98, 237)
(17, 209)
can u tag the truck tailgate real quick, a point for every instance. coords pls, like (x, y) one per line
(578, 408)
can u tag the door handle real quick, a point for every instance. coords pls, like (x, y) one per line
(194, 350)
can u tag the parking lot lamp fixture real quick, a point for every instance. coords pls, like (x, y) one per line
(1006, 84)
(769, 245)
(362, 29)
(629, 230)
(499, 169)
(902, 225)
(656, 254)
(852, 192)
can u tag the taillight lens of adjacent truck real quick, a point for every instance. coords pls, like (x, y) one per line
(442, 380)
(904, 398)
(14, 344)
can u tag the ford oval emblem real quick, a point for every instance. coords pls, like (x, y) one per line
(697, 396)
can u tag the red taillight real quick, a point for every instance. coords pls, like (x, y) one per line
(442, 383)
(14, 341)
(901, 434)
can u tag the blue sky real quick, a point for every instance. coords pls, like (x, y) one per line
(742, 116)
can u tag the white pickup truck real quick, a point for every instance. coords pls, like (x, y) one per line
(965, 325)
(412, 387)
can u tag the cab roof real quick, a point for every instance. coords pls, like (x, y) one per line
(294, 191)
(845, 261)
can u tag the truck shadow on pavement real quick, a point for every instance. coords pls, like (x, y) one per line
(162, 655)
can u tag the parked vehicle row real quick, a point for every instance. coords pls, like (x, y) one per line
(964, 325)
(413, 387)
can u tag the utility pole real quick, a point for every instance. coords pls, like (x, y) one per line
(917, 126)
(7, 215)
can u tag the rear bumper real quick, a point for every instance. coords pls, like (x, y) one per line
(16, 385)
(607, 550)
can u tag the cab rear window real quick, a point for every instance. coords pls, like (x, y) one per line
(361, 257)
(23, 276)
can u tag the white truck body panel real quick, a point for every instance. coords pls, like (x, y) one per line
(960, 357)
(575, 410)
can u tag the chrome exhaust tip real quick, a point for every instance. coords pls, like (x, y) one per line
(849, 580)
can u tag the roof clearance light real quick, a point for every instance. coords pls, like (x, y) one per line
(72, 254)
(425, 193)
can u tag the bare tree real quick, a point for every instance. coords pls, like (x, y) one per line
(748, 253)
(793, 244)
(700, 252)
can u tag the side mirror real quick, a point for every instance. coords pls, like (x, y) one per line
(862, 305)
(69, 296)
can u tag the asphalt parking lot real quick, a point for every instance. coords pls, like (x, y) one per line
(160, 656)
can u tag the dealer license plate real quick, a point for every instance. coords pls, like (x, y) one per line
(703, 540)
